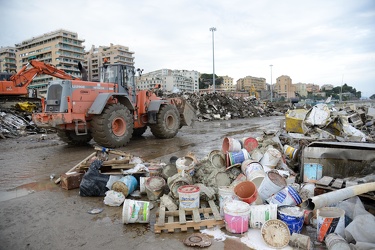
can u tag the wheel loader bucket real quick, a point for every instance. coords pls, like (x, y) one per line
(187, 112)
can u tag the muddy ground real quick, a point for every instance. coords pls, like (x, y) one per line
(35, 213)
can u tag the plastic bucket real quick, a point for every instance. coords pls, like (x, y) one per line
(177, 181)
(330, 220)
(236, 216)
(189, 196)
(125, 185)
(142, 182)
(238, 157)
(261, 213)
(256, 155)
(272, 183)
(292, 216)
(231, 145)
(335, 241)
(155, 170)
(249, 144)
(135, 211)
(185, 165)
(253, 171)
(290, 152)
(154, 187)
(257, 177)
(225, 194)
(270, 158)
(287, 196)
(217, 158)
(246, 191)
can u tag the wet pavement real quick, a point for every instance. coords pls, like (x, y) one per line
(37, 214)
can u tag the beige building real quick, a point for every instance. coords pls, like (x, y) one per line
(284, 87)
(170, 80)
(327, 87)
(61, 48)
(114, 54)
(228, 84)
(8, 59)
(300, 88)
(312, 88)
(249, 82)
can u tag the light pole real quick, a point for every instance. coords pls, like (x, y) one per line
(271, 82)
(213, 29)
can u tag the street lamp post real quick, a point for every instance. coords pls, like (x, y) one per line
(213, 29)
(271, 83)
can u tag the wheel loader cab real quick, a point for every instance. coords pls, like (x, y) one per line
(122, 75)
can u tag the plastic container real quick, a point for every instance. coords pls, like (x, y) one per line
(185, 165)
(142, 182)
(135, 211)
(236, 216)
(154, 187)
(290, 152)
(125, 185)
(270, 158)
(246, 191)
(261, 213)
(335, 241)
(231, 145)
(254, 171)
(177, 181)
(330, 220)
(287, 196)
(225, 194)
(272, 183)
(249, 144)
(292, 216)
(189, 196)
(238, 157)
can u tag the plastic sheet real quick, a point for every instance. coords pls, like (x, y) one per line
(94, 183)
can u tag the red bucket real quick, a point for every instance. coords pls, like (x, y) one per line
(246, 191)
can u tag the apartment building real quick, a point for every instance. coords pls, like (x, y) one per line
(61, 48)
(327, 87)
(114, 54)
(8, 59)
(249, 82)
(284, 87)
(312, 88)
(228, 84)
(170, 80)
(300, 89)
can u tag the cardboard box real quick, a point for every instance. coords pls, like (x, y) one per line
(71, 180)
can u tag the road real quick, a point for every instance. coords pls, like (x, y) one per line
(35, 213)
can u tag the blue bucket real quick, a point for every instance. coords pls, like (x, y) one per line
(125, 185)
(238, 157)
(293, 216)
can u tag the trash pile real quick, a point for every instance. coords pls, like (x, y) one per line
(249, 186)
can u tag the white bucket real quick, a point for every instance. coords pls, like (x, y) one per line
(135, 211)
(231, 145)
(336, 242)
(261, 213)
(256, 155)
(330, 220)
(185, 165)
(271, 158)
(142, 182)
(272, 183)
(286, 196)
(257, 177)
(189, 196)
(225, 194)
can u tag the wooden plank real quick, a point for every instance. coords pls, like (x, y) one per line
(182, 217)
(338, 183)
(170, 219)
(325, 181)
(161, 220)
(214, 210)
(112, 151)
(196, 216)
(122, 166)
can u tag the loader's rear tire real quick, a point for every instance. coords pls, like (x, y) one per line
(113, 127)
(137, 132)
(70, 137)
(167, 122)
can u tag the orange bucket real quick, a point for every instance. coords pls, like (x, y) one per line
(246, 191)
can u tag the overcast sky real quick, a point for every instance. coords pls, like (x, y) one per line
(320, 41)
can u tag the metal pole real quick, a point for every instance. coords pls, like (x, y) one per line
(342, 81)
(271, 83)
(213, 29)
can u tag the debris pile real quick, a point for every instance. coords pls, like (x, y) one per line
(267, 188)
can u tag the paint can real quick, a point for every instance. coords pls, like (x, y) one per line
(236, 216)
(330, 220)
(225, 194)
(275, 233)
(254, 171)
(335, 241)
(246, 191)
(155, 170)
(293, 217)
(256, 155)
(185, 165)
(249, 143)
(177, 181)
(307, 191)
(217, 158)
(287, 196)
(135, 211)
(270, 158)
(300, 241)
(261, 213)
(189, 196)
(231, 145)
(238, 157)
(290, 152)
(142, 182)
(154, 187)
(272, 183)
(125, 185)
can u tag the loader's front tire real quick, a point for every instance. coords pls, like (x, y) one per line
(70, 137)
(167, 122)
(113, 127)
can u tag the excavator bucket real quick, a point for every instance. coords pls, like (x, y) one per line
(187, 112)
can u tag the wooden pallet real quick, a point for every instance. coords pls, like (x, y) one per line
(184, 219)
(327, 184)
